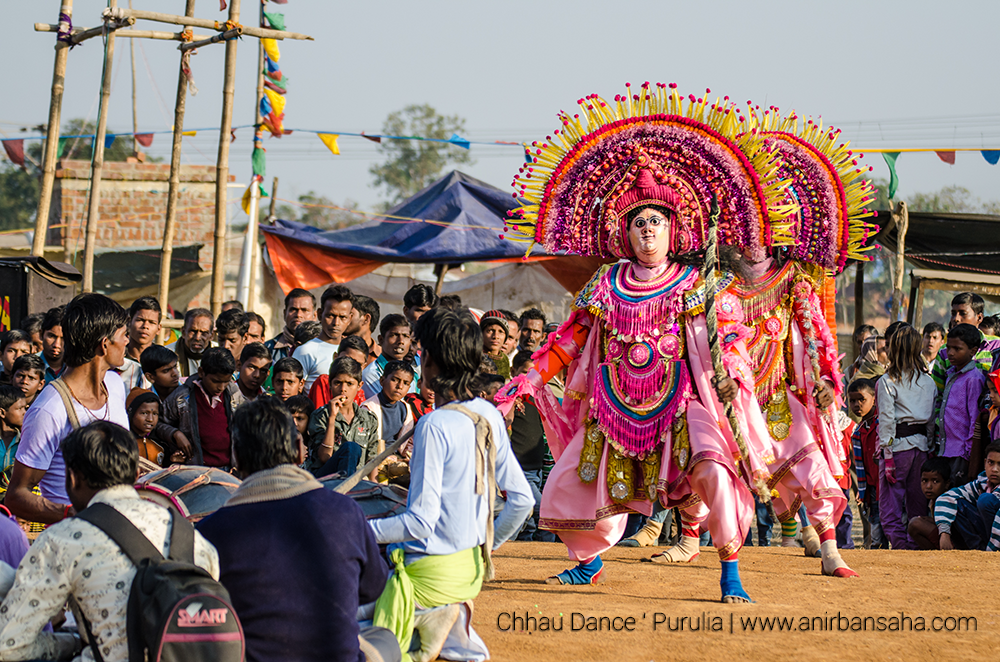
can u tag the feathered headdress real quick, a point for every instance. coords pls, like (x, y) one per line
(580, 181)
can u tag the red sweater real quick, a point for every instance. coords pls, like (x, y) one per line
(213, 428)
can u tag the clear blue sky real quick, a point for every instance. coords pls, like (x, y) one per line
(891, 74)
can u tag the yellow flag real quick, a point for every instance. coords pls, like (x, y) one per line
(277, 101)
(189, 133)
(271, 48)
(246, 197)
(330, 140)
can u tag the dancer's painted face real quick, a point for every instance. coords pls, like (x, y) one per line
(649, 236)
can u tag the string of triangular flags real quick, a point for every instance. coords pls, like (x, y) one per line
(992, 157)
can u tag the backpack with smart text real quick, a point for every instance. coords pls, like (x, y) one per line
(176, 612)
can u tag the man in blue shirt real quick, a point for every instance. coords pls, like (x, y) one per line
(443, 540)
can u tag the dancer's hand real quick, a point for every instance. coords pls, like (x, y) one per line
(824, 394)
(946, 541)
(727, 389)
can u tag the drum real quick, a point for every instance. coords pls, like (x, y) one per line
(196, 492)
(376, 501)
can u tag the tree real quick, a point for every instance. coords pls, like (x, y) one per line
(321, 212)
(18, 197)
(411, 165)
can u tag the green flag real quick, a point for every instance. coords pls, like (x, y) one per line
(276, 20)
(890, 160)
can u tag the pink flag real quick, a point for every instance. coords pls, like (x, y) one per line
(15, 151)
(144, 139)
(947, 157)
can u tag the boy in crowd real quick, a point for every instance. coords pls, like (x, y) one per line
(258, 327)
(935, 480)
(159, 368)
(300, 306)
(29, 376)
(299, 525)
(12, 408)
(287, 379)
(351, 439)
(966, 308)
(304, 332)
(52, 343)
(144, 318)
(495, 336)
(966, 516)
(255, 366)
(354, 347)
(421, 402)
(934, 335)
(395, 339)
(202, 409)
(13, 345)
(337, 305)
(32, 325)
(231, 331)
(959, 402)
(861, 396)
(301, 408)
(394, 417)
(990, 325)
(418, 300)
(365, 321)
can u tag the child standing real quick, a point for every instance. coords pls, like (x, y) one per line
(959, 410)
(12, 408)
(29, 376)
(861, 395)
(202, 408)
(342, 436)
(967, 516)
(159, 367)
(301, 408)
(905, 410)
(143, 408)
(935, 480)
(421, 402)
(287, 378)
(394, 417)
(395, 340)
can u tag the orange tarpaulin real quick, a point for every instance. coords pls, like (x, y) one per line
(297, 264)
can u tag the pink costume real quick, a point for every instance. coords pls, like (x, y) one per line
(619, 459)
(788, 320)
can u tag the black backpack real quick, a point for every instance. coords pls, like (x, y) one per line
(176, 611)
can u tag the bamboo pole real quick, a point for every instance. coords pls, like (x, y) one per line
(79, 37)
(222, 36)
(97, 160)
(222, 168)
(859, 295)
(51, 139)
(173, 190)
(250, 31)
(274, 201)
(133, 34)
(902, 217)
(135, 114)
(245, 282)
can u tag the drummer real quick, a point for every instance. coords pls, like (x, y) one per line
(443, 541)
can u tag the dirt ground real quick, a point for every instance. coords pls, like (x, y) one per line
(936, 591)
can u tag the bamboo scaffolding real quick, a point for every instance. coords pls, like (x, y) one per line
(97, 160)
(51, 139)
(132, 34)
(222, 167)
(222, 36)
(173, 188)
(250, 31)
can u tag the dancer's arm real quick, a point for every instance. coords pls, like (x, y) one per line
(561, 349)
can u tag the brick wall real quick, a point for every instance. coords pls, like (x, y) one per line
(133, 209)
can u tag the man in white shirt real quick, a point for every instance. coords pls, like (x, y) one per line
(75, 561)
(443, 539)
(337, 306)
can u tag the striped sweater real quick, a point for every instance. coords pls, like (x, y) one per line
(946, 508)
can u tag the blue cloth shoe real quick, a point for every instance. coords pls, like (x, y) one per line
(585, 573)
(732, 587)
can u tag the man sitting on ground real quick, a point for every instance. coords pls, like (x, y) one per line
(435, 543)
(284, 509)
(75, 561)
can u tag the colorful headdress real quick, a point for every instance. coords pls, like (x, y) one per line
(826, 187)
(581, 180)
